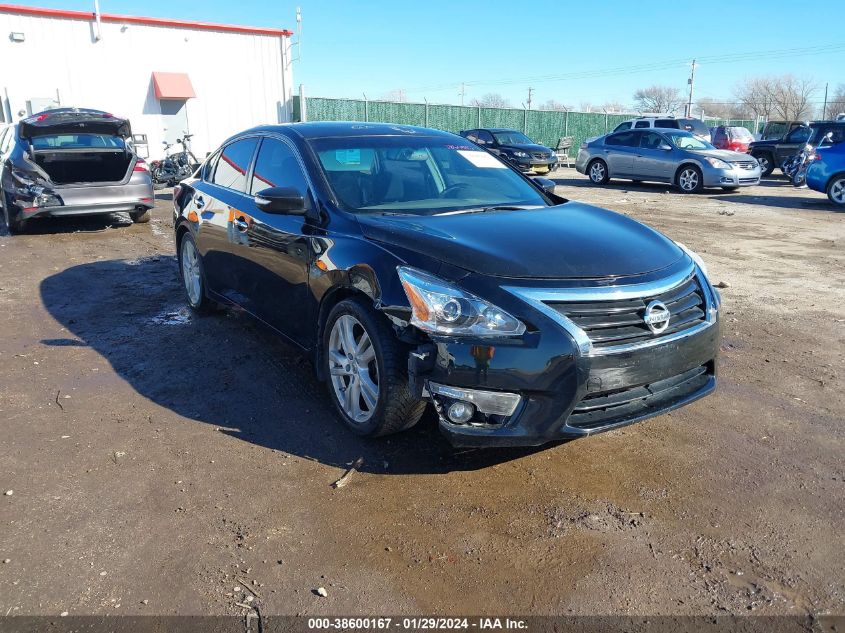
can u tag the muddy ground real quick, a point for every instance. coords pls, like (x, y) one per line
(156, 457)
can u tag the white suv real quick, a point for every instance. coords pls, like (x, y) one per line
(696, 126)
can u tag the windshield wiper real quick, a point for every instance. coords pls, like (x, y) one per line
(498, 207)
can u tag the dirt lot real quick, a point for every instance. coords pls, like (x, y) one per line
(154, 457)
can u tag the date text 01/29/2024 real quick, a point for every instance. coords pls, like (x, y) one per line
(416, 623)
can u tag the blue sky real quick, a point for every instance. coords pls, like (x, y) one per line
(427, 48)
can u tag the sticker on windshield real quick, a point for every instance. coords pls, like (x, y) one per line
(482, 159)
(348, 156)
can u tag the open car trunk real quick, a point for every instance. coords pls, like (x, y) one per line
(89, 165)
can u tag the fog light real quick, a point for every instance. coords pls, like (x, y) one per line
(490, 402)
(461, 412)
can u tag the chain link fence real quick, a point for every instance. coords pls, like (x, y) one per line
(546, 127)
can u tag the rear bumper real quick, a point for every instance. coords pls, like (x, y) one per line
(88, 200)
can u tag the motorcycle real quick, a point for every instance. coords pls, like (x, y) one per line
(174, 167)
(796, 166)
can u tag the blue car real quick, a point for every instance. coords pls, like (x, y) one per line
(827, 173)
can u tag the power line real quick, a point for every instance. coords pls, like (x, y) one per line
(647, 67)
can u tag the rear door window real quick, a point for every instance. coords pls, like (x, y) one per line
(651, 140)
(623, 139)
(233, 165)
(642, 124)
(670, 123)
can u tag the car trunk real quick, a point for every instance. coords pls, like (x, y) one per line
(79, 146)
(65, 166)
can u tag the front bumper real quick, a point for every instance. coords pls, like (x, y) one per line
(564, 390)
(536, 165)
(731, 177)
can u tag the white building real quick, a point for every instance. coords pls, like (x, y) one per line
(165, 76)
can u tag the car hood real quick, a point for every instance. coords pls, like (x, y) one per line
(724, 154)
(528, 147)
(571, 240)
(74, 122)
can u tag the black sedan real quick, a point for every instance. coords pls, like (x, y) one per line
(514, 147)
(414, 267)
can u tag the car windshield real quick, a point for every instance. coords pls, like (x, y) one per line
(419, 176)
(76, 141)
(512, 138)
(685, 140)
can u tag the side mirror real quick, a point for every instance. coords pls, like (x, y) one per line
(665, 147)
(546, 184)
(281, 200)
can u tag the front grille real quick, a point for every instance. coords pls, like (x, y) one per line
(540, 155)
(620, 322)
(744, 180)
(746, 164)
(607, 408)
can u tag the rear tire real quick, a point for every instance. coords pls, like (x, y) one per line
(689, 179)
(597, 172)
(193, 275)
(367, 371)
(836, 190)
(767, 165)
(142, 216)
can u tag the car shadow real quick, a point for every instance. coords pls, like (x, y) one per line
(228, 371)
(72, 224)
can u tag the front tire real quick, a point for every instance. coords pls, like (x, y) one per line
(193, 276)
(836, 190)
(15, 225)
(767, 166)
(598, 172)
(689, 179)
(366, 367)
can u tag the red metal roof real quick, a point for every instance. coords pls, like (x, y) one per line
(133, 19)
(173, 86)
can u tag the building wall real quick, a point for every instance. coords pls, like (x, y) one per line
(240, 80)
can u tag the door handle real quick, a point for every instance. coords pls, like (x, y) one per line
(199, 202)
(241, 224)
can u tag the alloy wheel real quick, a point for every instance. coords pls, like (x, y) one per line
(597, 172)
(353, 368)
(688, 180)
(837, 191)
(764, 163)
(191, 274)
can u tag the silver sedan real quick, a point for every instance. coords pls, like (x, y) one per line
(665, 155)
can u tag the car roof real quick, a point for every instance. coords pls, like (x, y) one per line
(324, 129)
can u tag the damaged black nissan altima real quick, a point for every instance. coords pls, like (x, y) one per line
(415, 267)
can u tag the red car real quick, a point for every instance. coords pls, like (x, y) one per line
(735, 139)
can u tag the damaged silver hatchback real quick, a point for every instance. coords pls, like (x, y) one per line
(71, 161)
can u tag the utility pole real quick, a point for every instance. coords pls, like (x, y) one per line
(530, 92)
(463, 92)
(691, 82)
(824, 107)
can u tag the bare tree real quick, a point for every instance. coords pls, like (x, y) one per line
(835, 102)
(723, 109)
(491, 100)
(658, 99)
(614, 106)
(551, 104)
(397, 94)
(784, 97)
(586, 106)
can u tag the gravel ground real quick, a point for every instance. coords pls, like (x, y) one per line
(161, 463)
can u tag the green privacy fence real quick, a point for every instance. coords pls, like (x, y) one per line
(543, 126)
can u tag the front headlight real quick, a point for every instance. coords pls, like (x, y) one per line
(694, 256)
(520, 154)
(718, 163)
(442, 308)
